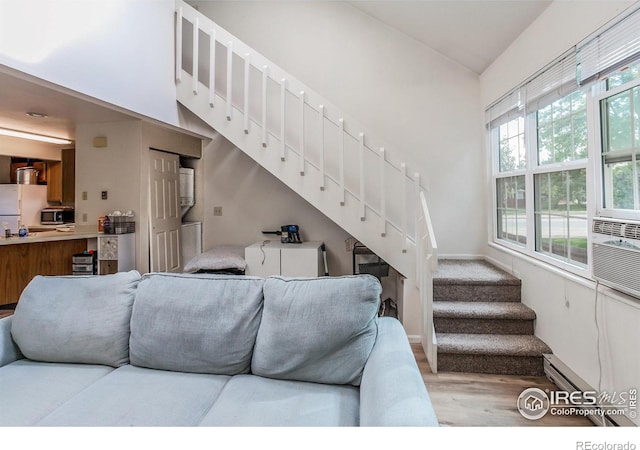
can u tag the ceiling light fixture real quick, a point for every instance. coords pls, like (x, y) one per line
(37, 115)
(35, 137)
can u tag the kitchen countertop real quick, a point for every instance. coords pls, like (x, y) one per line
(47, 236)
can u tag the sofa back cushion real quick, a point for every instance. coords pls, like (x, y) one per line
(319, 330)
(76, 319)
(196, 323)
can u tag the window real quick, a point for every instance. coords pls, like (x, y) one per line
(566, 146)
(623, 76)
(556, 166)
(620, 136)
(512, 202)
(561, 215)
(512, 150)
(562, 130)
(561, 195)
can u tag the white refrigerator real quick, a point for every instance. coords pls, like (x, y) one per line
(20, 204)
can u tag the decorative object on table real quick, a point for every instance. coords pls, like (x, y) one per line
(289, 234)
(119, 223)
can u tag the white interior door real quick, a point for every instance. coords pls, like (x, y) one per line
(164, 223)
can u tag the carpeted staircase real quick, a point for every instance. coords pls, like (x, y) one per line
(480, 323)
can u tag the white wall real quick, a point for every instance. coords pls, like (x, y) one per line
(253, 200)
(421, 102)
(118, 51)
(566, 305)
(114, 168)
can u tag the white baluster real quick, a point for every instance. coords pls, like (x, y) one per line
(265, 79)
(403, 174)
(179, 45)
(196, 51)
(418, 231)
(212, 68)
(283, 112)
(247, 70)
(229, 79)
(321, 115)
(341, 157)
(383, 193)
(302, 157)
(361, 156)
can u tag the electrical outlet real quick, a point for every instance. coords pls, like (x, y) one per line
(84, 217)
(104, 195)
(217, 210)
(84, 195)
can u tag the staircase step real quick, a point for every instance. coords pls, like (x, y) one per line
(490, 353)
(474, 281)
(483, 317)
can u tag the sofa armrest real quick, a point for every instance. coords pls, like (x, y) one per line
(392, 392)
(9, 351)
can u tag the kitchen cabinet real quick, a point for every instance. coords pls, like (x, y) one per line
(19, 263)
(61, 179)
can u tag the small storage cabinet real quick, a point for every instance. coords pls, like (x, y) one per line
(267, 258)
(116, 253)
(84, 263)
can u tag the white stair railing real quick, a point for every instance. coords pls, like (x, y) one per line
(326, 156)
(426, 265)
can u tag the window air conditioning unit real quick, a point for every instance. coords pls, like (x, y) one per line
(615, 248)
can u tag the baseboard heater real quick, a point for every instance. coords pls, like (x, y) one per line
(567, 380)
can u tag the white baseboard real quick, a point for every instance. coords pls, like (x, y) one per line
(414, 339)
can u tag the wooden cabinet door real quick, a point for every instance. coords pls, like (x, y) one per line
(54, 182)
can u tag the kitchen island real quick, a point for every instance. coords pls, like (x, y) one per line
(39, 253)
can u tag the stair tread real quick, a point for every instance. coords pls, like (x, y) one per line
(491, 344)
(474, 272)
(483, 310)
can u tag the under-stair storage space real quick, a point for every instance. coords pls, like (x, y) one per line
(481, 324)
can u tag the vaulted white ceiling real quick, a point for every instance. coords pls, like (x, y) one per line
(471, 32)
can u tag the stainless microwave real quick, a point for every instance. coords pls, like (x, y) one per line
(57, 216)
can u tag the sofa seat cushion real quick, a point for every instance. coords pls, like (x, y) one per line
(249, 400)
(76, 319)
(31, 389)
(196, 323)
(135, 396)
(319, 330)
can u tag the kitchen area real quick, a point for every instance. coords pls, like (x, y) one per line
(66, 163)
(38, 235)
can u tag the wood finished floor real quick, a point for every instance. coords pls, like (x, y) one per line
(471, 399)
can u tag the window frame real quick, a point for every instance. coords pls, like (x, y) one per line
(533, 168)
(599, 181)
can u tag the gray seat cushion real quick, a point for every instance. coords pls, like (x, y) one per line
(31, 389)
(134, 396)
(249, 400)
(320, 330)
(81, 319)
(196, 323)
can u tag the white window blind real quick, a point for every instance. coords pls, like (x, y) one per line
(612, 48)
(555, 81)
(507, 108)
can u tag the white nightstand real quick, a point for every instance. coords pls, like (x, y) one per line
(266, 258)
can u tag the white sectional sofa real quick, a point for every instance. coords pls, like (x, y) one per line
(207, 350)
